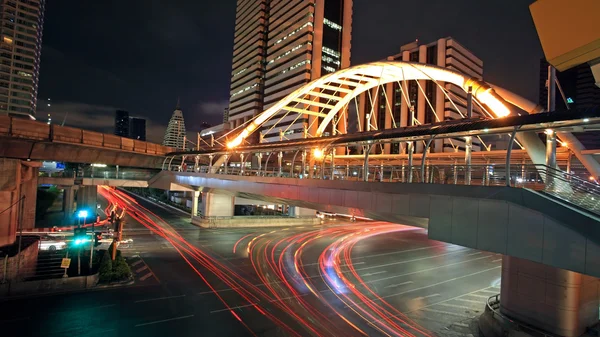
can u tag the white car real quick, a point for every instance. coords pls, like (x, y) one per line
(52, 244)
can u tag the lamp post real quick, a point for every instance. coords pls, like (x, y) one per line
(81, 214)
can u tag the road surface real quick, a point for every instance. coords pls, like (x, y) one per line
(367, 278)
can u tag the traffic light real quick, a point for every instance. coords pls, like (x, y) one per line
(97, 238)
(79, 236)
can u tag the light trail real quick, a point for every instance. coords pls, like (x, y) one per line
(290, 297)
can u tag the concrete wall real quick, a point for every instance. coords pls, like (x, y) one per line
(27, 263)
(504, 220)
(50, 285)
(254, 221)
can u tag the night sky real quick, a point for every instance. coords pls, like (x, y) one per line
(141, 55)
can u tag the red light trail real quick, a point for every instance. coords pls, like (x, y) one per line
(291, 297)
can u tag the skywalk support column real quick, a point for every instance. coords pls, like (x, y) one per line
(195, 199)
(468, 150)
(87, 197)
(69, 202)
(555, 300)
(366, 150)
(217, 205)
(410, 149)
(550, 157)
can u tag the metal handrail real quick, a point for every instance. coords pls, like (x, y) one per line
(493, 304)
(554, 182)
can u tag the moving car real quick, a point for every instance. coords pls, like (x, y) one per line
(52, 244)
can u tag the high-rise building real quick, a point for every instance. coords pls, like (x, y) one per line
(21, 25)
(386, 106)
(122, 123)
(580, 90)
(280, 46)
(137, 128)
(577, 83)
(175, 133)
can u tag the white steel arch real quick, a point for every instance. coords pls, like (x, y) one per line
(328, 95)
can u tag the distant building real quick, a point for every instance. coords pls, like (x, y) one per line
(388, 99)
(21, 44)
(579, 87)
(122, 123)
(137, 128)
(175, 133)
(278, 47)
(226, 115)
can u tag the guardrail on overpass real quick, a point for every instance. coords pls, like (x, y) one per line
(28, 139)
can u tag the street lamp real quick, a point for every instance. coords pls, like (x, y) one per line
(318, 153)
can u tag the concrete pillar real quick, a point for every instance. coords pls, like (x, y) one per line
(295, 211)
(87, 197)
(69, 202)
(195, 199)
(550, 157)
(18, 180)
(217, 204)
(555, 300)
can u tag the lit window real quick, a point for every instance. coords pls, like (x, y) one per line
(7, 40)
(332, 24)
(331, 52)
(329, 69)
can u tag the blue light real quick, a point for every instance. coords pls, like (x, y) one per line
(82, 214)
(570, 100)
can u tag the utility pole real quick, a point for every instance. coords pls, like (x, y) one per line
(20, 234)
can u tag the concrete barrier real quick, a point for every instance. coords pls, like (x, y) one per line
(253, 221)
(47, 286)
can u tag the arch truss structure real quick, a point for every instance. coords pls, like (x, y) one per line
(325, 101)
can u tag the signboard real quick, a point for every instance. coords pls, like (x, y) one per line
(65, 263)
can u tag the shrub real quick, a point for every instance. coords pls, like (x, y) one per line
(106, 268)
(121, 270)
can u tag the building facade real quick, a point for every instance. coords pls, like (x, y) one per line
(280, 46)
(386, 106)
(175, 133)
(137, 128)
(20, 49)
(580, 92)
(122, 123)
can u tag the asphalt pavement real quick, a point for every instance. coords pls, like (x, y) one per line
(271, 282)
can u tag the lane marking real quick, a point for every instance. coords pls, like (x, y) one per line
(399, 284)
(428, 269)
(375, 273)
(165, 320)
(442, 282)
(141, 269)
(460, 307)
(413, 260)
(233, 308)
(136, 263)
(425, 297)
(145, 277)
(159, 298)
(474, 254)
(288, 298)
(497, 260)
(447, 313)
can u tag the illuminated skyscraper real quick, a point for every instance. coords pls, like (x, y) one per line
(175, 134)
(20, 47)
(280, 46)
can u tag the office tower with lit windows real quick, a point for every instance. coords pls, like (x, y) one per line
(175, 133)
(386, 106)
(20, 47)
(280, 46)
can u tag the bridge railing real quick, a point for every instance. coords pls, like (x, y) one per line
(40, 131)
(554, 182)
